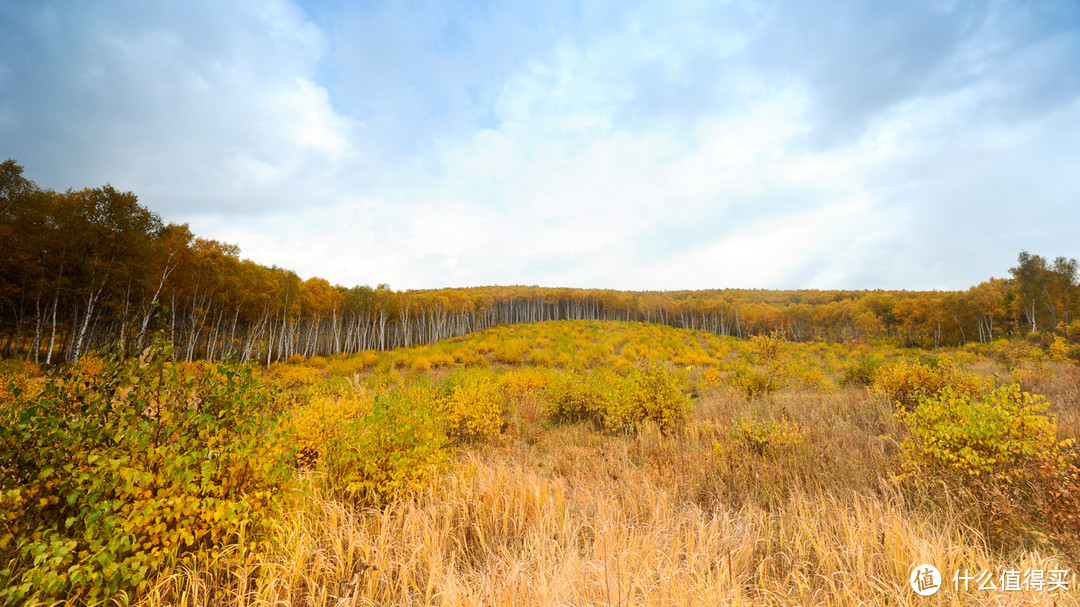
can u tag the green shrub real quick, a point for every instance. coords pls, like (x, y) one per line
(860, 373)
(998, 434)
(109, 474)
(391, 452)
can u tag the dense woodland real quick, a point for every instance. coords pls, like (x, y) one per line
(90, 268)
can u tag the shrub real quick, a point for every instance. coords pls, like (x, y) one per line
(574, 397)
(510, 352)
(523, 384)
(647, 394)
(812, 378)
(17, 378)
(106, 479)
(294, 375)
(751, 382)
(998, 434)
(619, 403)
(470, 405)
(765, 436)
(392, 451)
(904, 382)
(322, 422)
(711, 378)
(860, 373)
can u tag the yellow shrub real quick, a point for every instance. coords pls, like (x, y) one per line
(765, 436)
(815, 379)
(392, 451)
(522, 384)
(511, 352)
(542, 357)
(470, 405)
(973, 435)
(17, 378)
(649, 394)
(904, 382)
(750, 381)
(322, 420)
(712, 378)
(86, 372)
(1059, 350)
(293, 376)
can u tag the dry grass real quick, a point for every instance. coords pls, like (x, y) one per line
(568, 516)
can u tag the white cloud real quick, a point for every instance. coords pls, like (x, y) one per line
(658, 145)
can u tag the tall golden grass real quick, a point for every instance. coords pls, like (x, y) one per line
(569, 516)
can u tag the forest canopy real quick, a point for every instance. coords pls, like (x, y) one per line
(92, 268)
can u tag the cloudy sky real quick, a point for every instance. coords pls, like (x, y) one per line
(616, 144)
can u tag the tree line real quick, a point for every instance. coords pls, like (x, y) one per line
(92, 268)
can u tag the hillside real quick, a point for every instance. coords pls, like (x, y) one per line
(570, 462)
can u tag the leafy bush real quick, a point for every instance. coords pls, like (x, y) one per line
(769, 368)
(294, 375)
(523, 384)
(647, 394)
(471, 405)
(712, 378)
(997, 434)
(904, 383)
(118, 468)
(751, 382)
(860, 373)
(393, 451)
(16, 378)
(766, 436)
(619, 402)
(573, 397)
(322, 422)
(511, 352)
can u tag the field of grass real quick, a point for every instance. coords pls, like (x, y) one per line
(558, 463)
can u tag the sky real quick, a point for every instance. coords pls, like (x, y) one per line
(611, 144)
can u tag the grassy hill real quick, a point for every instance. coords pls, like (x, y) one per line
(568, 462)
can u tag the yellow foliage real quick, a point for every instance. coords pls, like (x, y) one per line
(471, 406)
(511, 352)
(998, 433)
(904, 382)
(765, 436)
(322, 420)
(1059, 349)
(522, 384)
(294, 376)
(712, 378)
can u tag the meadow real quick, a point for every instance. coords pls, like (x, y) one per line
(551, 463)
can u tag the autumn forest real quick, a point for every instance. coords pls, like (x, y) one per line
(183, 427)
(90, 268)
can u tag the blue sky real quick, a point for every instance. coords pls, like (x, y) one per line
(632, 145)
